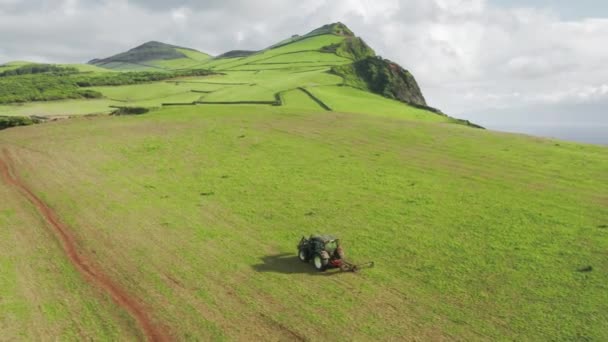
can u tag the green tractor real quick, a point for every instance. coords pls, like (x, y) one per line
(326, 252)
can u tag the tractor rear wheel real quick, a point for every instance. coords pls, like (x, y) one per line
(320, 263)
(303, 256)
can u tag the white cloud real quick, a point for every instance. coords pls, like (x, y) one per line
(460, 7)
(466, 54)
(180, 14)
(70, 7)
(584, 94)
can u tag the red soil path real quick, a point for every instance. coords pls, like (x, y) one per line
(93, 274)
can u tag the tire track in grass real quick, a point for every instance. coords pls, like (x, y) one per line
(92, 274)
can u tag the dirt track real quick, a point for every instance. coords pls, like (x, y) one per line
(94, 275)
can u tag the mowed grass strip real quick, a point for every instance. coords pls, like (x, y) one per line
(475, 234)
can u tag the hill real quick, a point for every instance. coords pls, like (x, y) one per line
(323, 65)
(182, 223)
(152, 55)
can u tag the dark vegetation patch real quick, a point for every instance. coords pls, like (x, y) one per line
(278, 99)
(459, 121)
(168, 104)
(603, 226)
(41, 82)
(89, 94)
(218, 83)
(130, 111)
(352, 48)
(314, 98)
(14, 121)
(383, 77)
(236, 54)
(296, 64)
(51, 82)
(585, 269)
(386, 78)
(271, 103)
(209, 193)
(31, 69)
(41, 87)
(135, 77)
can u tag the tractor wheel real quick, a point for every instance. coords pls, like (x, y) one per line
(303, 256)
(320, 263)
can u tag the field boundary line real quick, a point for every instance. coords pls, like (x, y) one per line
(314, 98)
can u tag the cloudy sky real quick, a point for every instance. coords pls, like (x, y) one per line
(483, 59)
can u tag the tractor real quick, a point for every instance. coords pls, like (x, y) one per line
(326, 252)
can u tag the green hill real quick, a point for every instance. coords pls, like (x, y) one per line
(182, 222)
(236, 53)
(152, 55)
(327, 65)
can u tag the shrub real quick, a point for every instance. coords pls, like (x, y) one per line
(35, 85)
(130, 111)
(382, 77)
(31, 69)
(13, 121)
(90, 94)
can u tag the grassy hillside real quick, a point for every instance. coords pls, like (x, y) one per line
(476, 234)
(301, 64)
(43, 89)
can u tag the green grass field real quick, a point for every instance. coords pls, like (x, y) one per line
(196, 211)
(41, 295)
(476, 235)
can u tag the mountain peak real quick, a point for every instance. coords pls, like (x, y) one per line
(336, 28)
(148, 51)
(153, 43)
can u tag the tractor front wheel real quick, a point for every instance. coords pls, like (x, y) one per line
(303, 256)
(320, 263)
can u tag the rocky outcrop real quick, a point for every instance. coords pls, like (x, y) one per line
(383, 77)
(335, 28)
(351, 47)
